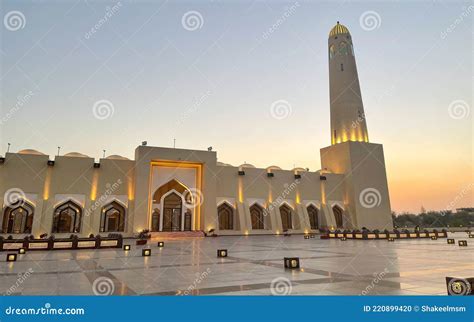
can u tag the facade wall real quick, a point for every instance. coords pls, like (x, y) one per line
(132, 183)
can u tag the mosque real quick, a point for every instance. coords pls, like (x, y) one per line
(188, 192)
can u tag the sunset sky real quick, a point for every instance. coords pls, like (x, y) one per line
(215, 85)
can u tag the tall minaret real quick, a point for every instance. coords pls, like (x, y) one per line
(347, 110)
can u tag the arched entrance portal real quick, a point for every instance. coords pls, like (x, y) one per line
(172, 208)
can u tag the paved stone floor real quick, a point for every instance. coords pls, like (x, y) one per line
(254, 266)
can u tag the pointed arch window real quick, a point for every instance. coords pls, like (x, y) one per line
(338, 215)
(286, 217)
(112, 217)
(257, 217)
(225, 215)
(18, 218)
(313, 216)
(67, 218)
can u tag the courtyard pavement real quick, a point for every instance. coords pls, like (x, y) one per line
(254, 266)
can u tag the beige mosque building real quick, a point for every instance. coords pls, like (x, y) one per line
(178, 190)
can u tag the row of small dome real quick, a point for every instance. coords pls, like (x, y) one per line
(248, 165)
(119, 157)
(72, 154)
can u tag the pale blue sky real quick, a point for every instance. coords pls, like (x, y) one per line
(154, 72)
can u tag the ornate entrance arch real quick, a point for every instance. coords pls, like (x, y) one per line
(170, 208)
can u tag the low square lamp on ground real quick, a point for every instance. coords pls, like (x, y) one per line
(460, 286)
(292, 262)
(126, 247)
(161, 244)
(462, 243)
(434, 238)
(11, 257)
(146, 252)
(306, 237)
(391, 239)
(22, 251)
(450, 241)
(222, 253)
(343, 238)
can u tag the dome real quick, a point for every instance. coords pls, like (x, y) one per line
(246, 165)
(295, 170)
(338, 29)
(116, 157)
(30, 151)
(76, 155)
(273, 167)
